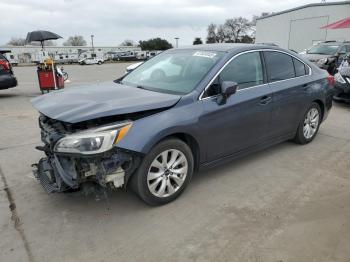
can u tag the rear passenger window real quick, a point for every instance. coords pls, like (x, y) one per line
(279, 66)
(245, 70)
(300, 68)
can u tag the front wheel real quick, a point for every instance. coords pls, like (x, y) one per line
(164, 172)
(309, 125)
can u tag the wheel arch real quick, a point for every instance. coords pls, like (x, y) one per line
(321, 105)
(190, 141)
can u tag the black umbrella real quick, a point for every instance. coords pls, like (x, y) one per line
(41, 36)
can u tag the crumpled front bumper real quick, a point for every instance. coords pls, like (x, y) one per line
(58, 173)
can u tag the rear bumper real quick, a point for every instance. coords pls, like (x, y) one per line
(7, 81)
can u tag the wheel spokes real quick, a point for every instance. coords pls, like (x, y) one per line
(154, 175)
(154, 185)
(167, 173)
(311, 123)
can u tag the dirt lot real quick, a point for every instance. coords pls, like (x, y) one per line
(287, 203)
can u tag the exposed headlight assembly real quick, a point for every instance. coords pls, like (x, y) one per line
(93, 141)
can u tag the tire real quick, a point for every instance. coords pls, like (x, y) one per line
(157, 186)
(311, 121)
(99, 62)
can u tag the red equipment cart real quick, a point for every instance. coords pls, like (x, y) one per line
(49, 79)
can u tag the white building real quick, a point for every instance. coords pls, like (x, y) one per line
(29, 53)
(299, 28)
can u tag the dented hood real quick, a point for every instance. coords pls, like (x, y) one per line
(79, 104)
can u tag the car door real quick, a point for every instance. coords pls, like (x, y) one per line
(288, 79)
(243, 120)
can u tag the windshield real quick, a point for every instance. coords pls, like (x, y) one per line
(323, 49)
(175, 72)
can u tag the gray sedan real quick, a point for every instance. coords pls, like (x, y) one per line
(185, 109)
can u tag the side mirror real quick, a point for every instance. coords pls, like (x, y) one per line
(228, 88)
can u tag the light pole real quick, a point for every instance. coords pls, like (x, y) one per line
(92, 44)
(177, 41)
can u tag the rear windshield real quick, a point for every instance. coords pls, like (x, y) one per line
(323, 49)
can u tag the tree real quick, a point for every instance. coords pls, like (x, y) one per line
(17, 41)
(76, 40)
(155, 44)
(236, 28)
(212, 36)
(127, 42)
(197, 41)
(222, 34)
(247, 39)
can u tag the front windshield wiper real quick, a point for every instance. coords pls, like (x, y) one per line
(141, 87)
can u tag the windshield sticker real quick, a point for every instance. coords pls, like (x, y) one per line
(204, 54)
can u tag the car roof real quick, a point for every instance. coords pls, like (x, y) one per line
(229, 47)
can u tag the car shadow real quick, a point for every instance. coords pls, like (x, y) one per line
(342, 104)
(112, 201)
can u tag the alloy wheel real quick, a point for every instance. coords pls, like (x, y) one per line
(167, 173)
(311, 123)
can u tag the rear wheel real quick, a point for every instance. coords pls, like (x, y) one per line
(309, 125)
(164, 172)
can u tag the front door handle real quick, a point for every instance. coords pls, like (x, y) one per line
(265, 100)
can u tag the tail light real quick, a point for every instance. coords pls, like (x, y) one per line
(331, 80)
(5, 65)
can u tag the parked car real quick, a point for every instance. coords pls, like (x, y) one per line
(12, 58)
(328, 55)
(7, 77)
(91, 61)
(155, 126)
(342, 81)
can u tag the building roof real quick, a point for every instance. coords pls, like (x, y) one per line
(305, 6)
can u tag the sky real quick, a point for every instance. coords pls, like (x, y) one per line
(113, 21)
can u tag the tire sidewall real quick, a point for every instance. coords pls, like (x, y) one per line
(142, 172)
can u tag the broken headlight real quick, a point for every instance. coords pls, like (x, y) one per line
(92, 141)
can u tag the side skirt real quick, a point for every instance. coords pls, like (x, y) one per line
(247, 151)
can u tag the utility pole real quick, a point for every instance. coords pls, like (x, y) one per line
(177, 41)
(92, 44)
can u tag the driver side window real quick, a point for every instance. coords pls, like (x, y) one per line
(246, 70)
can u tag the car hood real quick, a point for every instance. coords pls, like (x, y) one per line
(79, 104)
(315, 57)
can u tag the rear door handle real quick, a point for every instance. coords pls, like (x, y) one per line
(265, 100)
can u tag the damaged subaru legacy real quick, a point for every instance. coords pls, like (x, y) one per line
(184, 109)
